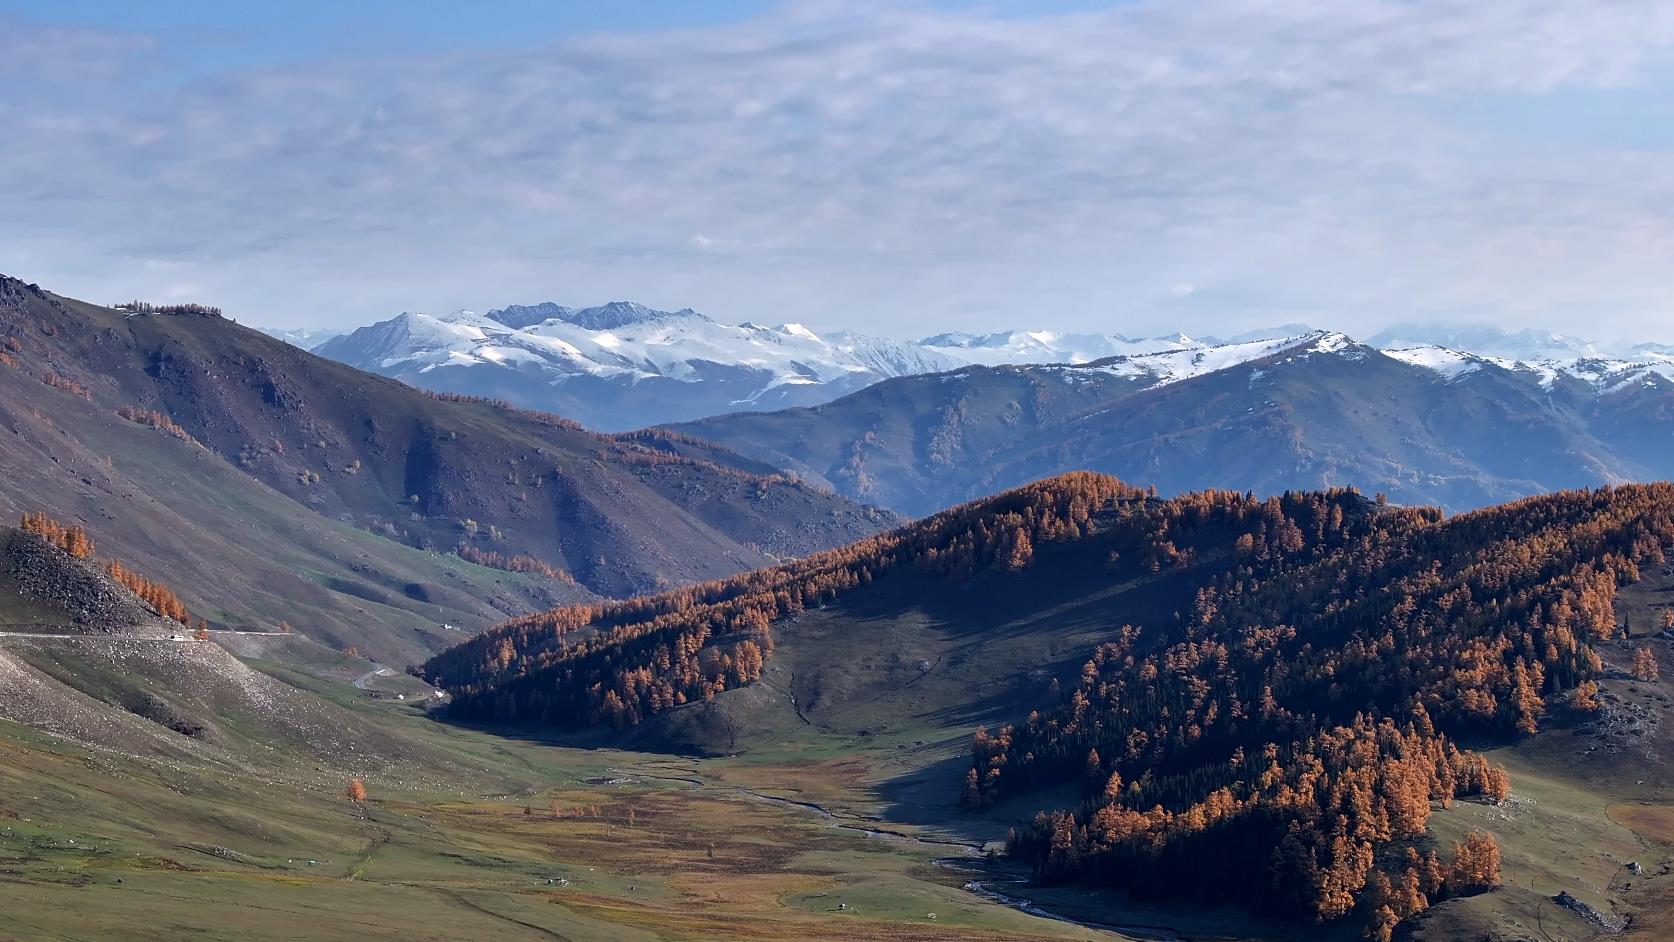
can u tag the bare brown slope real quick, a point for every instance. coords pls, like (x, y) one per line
(259, 496)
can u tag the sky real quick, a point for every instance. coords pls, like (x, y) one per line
(898, 168)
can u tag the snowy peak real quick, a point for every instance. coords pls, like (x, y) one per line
(677, 365)
(1602, 374)
(1045, 346)
(307, 338)
(1172, 366)
(612, 316)
(1449, 364)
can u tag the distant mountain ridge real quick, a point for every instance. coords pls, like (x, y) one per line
(625, 365)
(1423, 424)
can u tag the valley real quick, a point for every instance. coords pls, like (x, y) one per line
(1019, 718)
(463, 843)
(793, 471)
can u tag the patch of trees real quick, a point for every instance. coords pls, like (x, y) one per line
(519, 562)
(59, 381)
(75, 541)
(1281, 740)
(151, 418)
(72, 539)
(638, 449)
(160, 597)
(545, 418)
(146, 307)
(1286, 737)
(620, 662)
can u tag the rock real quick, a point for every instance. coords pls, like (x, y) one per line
(1606, 923)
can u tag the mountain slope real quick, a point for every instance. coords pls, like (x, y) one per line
(86, 659)
(269, 483)
(1424, 425)
(1192, 683)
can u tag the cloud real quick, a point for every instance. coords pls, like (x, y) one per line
(887, 168)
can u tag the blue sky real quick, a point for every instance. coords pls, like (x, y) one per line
(902, 168)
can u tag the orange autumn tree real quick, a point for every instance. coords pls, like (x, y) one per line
(72, 539)
(1586, 696)
(1645, 665)
(356, 790)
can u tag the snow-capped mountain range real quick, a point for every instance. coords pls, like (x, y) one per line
(1422, 424)
(624, 365)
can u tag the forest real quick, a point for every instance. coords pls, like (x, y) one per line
(619, 662)
(1287, 744)
(1280, 741)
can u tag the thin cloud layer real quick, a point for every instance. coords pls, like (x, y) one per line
(1211, 165)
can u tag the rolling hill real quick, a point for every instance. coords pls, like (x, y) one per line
(1181, 686)
(270, 484)
(1422, 425)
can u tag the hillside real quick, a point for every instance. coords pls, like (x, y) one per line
(159, 783)
(1422, 425)
(117, 665)
(269, 484)
(1182, 684)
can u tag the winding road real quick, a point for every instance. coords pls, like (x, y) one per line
(378, 670)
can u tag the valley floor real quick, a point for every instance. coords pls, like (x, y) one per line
(603, 845)
(547, 843)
